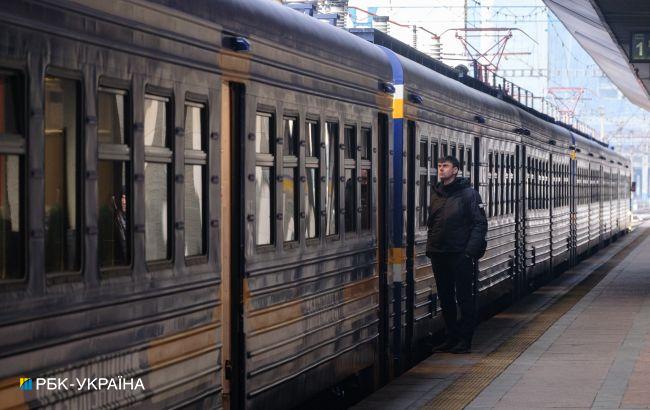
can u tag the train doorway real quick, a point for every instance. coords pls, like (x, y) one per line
(232, 243)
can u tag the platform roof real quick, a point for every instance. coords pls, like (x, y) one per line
(604, 28)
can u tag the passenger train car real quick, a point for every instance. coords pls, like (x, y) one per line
(227, 201)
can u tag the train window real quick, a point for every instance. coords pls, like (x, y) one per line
(497, 185)
(512, 184)
(289, 204)
(311, 190)
(331, 178)
(12, 200)
(350, 133)
(434, 166)
(289, 195)
(366, 199)
(157, 176)
(547, 185)
(422, 184)
(502, 184)
(350, 200)
(290, 141)
(422, 214)
(350, 192)
(264, 178)
(263, 129)
(366, 179)
(461, 160)
(424, 157)
(11, 116)
(62, 216)
(366, 144)
(12, 240)
(113, 180)
(434, 155)
(196, 164)
(490, 184)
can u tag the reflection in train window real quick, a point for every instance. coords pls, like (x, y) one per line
(196, 164)
(311, 188)
(424, 157)
(264, 183)
(366, 144)
(366, 179)
(312, 140)
(350, 142)
(311, 203)
(289, 181)
(12, 240)
(331, 178)
(12, 200)
(290, 144)
(113, 180)
(422, 184)
(263, 211)
(157, 176)
(422, 215)
(62, 219)
(490, 201)
(350, 200)
(366, 199)
(263, 129)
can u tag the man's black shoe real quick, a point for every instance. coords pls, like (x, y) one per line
(462, 347)
(446, 346)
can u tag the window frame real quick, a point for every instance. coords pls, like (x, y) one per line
(119, 153)
(267, 160)
(365, 165)
(313, 163)
(290, 162)
(63, 276)
(350, 164)
(162, 155)
(15, 144)
(198, 158)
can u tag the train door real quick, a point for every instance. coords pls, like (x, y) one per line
(573, 219)
(410, 150)
(476, 178)
(520, 236)
(232, 217)
(383, 219)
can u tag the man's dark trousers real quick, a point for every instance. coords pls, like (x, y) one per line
(454, 273)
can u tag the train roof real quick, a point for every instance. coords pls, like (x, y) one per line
(447, 89)
(558, 135)
(379, 38)
(290, 28)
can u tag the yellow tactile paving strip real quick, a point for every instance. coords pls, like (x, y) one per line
(464, 389)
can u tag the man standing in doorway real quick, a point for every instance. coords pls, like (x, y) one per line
(455, 240)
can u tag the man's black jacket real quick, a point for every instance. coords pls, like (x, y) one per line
(457, 221)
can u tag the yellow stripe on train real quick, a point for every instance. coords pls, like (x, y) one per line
(398, 102)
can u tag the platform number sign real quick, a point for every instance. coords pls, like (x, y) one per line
(640, 47)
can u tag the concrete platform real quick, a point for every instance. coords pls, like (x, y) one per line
(582, 341)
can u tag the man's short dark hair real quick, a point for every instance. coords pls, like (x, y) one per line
(452, 160)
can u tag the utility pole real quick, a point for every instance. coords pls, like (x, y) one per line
(465, 19)
(601, 114)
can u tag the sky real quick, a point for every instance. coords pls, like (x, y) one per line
(539, 45)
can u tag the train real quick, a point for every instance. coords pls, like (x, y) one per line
(224, 202)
